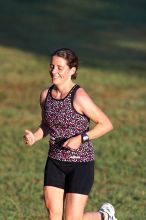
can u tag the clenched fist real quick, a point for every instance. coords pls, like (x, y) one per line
(29, 138)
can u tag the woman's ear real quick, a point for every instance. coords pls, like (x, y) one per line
(72, 71)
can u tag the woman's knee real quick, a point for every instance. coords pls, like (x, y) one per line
(75, 204)
(53, 202)
(54, 212)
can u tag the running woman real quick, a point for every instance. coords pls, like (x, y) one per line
(67, 110)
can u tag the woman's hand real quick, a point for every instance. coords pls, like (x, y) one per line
(73, 143)
(29, 138)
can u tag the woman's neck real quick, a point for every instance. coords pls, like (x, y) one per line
(65, 88)
(60, 91)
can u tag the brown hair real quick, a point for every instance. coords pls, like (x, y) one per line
(69, 56)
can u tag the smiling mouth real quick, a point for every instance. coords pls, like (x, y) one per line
(55, 77)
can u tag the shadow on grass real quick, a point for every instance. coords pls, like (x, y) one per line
(107, 35)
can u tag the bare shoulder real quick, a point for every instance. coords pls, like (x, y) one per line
(83, 103)
(82, 96)
(86, 105)
(43, 96)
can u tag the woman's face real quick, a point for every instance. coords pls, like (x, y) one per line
(60, 71)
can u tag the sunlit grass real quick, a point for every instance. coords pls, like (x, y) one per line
(110, 40)
(120, 160)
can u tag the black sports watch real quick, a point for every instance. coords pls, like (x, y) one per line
(84, 137)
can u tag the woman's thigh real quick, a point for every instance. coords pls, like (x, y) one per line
(74, 206)
(54, 197)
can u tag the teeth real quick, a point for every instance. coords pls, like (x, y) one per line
(55, 77)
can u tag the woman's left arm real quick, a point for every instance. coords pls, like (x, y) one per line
(87, 106)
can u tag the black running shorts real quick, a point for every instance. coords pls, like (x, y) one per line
(73, 177)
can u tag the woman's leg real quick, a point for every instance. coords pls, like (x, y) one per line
(74, 208)
(92, 216)
(54, 202)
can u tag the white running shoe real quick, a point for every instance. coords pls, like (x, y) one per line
(109, 209)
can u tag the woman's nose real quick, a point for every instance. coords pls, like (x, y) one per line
(54, 70)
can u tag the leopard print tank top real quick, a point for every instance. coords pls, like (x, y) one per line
(63, 122)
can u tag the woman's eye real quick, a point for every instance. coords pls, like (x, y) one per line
(51, 67)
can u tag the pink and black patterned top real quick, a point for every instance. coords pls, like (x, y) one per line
(63, 122)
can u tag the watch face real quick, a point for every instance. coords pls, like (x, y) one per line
(85, 137)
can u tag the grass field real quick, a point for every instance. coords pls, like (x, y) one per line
(110, 40)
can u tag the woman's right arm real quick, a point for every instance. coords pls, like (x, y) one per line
(42, 131)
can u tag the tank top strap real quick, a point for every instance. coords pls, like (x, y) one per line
(48, 92)
(50, 88)
(73, 91)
